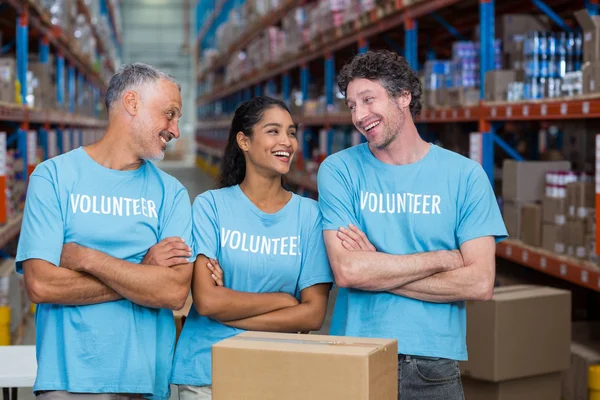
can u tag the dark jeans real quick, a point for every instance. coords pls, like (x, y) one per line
(428, 378)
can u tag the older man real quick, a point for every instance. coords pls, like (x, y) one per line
(104, 250)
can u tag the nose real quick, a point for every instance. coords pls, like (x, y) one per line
(360, 113)
(174, 128)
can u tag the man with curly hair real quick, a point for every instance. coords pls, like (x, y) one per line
(410, 230)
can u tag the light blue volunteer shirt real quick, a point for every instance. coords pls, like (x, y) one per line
(437, 203)
(258, 252)
(114, 347)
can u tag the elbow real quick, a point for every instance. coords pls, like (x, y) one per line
(205, 306)
(177, 298)
(484, 290)
(342, 273)
(315, 323)
(35, 290)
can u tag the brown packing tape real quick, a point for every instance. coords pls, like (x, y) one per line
(316, 342)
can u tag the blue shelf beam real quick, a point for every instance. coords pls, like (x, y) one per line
(392, 44)
(442, 21)
(286, 87)
(22, 50)
(329, 80)
(363, 45)
(543, 7)
(71, 82)
(486, 40)
(487, 144)
(507, 148)
(411, 41)
(60, 80)
(592, 6)
(304, 81)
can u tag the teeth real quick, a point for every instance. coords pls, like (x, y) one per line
(163, 140)
(371, 126)
(282, 153)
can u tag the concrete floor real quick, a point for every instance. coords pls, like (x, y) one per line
(196, 183)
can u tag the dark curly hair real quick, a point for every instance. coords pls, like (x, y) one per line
(390, 69)
(247, 115)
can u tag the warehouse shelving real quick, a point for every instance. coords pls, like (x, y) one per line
(29, 129)
(355, 35)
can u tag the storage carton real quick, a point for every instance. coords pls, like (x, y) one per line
(531, 224)
(523, 331)
(275, 366)
(591, 35)
(541, 387)
(525, 181)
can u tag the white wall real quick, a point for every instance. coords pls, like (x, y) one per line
(153, 33)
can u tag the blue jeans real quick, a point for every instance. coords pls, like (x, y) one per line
(428, 378)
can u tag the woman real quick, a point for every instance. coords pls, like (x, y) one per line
(261, 263)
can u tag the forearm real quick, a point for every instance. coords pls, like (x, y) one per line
(300, 318)
(66, 287)
(223, 304)
(467, 283)
(146, 285)
(376, 271)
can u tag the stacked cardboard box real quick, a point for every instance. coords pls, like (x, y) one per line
(524, 183)
(581, 198)
(518, 344)
(276, 366)
(8, 78)
(585, 352)
(591, 50)
(13, 295)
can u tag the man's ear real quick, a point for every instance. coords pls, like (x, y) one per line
(404, 99)
(131, 102)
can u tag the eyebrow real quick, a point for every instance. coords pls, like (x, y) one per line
(275, 124)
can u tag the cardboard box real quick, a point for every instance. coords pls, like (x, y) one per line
(512, 28)
(590, 77)
(590, 221)
(591, 35)
(590, 243)
(525, 181)
(542, 387)
(8, 77)
(496, 84)
(576, 244)
(581, 197)
(575, 379)
(531, 224)
(554, 210)
(553, 238)
(276, 366)
(523, 331)
(511, 213)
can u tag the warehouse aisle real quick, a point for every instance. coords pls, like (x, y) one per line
(196, 182)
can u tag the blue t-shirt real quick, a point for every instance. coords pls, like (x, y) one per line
(437, 203)
(113, 347)
(258, 252)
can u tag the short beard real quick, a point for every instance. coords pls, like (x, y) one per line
(394, 130)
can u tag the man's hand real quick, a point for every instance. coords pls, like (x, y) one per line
(216, 271)
(354, 239)
(168, 253)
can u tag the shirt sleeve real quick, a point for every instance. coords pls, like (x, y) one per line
(479, 214)
(205, 226)
(178, 223)
(42, 229)
(335, 197)
(315, 264)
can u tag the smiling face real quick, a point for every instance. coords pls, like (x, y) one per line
(375, 114)
(156, 122)
(273, 143)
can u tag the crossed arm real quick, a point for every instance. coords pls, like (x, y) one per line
(438, 276)
(88, 276)
(275, 312)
